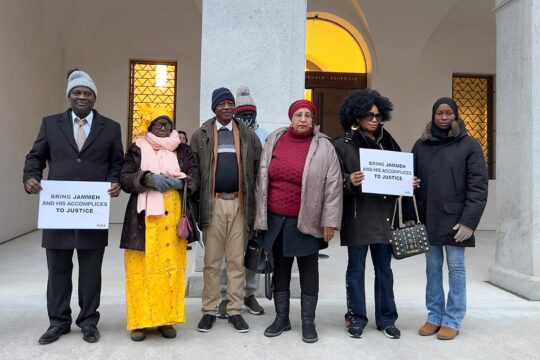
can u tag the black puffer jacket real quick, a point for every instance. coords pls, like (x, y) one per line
(366, 217)
(454, 183)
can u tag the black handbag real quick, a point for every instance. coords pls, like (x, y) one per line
(258, 260)
(410, 240)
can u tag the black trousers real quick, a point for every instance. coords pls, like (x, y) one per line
(59, 286)
(308, 267)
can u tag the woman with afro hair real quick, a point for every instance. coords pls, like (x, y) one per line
(366, 217)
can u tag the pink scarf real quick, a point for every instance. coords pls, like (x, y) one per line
(158, 156)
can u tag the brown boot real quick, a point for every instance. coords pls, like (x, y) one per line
(428, 329)
(446, 333)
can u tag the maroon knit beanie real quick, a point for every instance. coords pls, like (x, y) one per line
(299, 104)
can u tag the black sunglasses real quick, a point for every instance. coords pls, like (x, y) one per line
(161, 126)
(370, 116)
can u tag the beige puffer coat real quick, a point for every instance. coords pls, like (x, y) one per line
(322, 188)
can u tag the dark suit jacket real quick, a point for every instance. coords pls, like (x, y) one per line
(100, 159)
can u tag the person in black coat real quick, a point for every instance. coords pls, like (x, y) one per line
(450, 202)
(78, 145)
(366, 219)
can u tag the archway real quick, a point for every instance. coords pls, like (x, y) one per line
(336, 65)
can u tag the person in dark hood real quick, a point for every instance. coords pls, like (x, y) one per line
(366, 217)
(451, 202)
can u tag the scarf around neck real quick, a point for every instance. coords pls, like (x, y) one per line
(158, 156)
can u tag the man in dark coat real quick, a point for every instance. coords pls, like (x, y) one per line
(227, 153)
(78, 145)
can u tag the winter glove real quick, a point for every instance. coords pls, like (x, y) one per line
(463, 232)
(158, 182)
(174, 183)
(409, 223)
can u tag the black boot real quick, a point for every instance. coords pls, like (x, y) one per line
(308, 305)
(281, 323)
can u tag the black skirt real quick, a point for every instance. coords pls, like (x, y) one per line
(295, 242)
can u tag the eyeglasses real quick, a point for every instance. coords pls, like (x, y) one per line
(371, 116)
(161, 126)
(300, 115)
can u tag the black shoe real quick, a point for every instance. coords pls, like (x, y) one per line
(222, 309)
(253, 305)
(52, 334)
(206, 323)
(281, 322)
(239, 323)
(307, 313)
(138, 334)
(90, 334)
(390, 331)
(167, 331)
(355, 331)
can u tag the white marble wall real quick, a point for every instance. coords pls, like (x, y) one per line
(260, 44)
(517, 266)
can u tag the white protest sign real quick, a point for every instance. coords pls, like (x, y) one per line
(74, 205)
(387, 172)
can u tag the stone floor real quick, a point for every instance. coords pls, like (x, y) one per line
(499, 325)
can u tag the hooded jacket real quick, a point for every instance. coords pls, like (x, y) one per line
(454, 183)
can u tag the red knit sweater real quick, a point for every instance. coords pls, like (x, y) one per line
(285, 172)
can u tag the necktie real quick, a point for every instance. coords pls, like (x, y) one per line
(81, 135)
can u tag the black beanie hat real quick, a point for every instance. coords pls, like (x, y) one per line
(447, 101)
(220, 95)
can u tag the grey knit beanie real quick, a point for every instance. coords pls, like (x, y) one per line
(244, 101)
(80, 78)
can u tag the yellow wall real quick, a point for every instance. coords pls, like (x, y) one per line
(331, 48)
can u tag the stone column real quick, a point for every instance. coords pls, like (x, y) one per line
(260, 44)
(517, 264)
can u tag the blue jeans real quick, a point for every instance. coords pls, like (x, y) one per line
(385, 306)
(453, 313)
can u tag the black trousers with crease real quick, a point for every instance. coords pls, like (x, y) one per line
(59, 286)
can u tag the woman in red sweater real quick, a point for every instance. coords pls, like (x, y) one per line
(299, 204)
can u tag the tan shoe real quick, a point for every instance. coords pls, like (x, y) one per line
(446, 333)
(428, 329)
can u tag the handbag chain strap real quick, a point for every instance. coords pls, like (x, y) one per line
(396, 206)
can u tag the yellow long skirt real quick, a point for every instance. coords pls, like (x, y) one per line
(155, 278)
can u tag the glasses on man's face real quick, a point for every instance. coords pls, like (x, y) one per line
(161, 126)
(372, 116)
(299, 115)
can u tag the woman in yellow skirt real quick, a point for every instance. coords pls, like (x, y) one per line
(155, 171)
